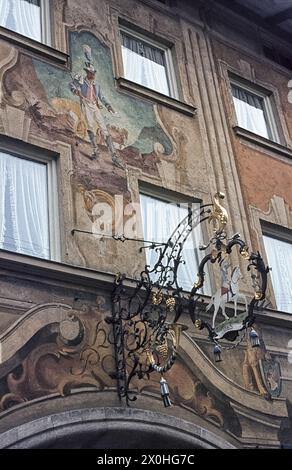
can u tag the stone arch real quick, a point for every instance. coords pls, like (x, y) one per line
(110, 428)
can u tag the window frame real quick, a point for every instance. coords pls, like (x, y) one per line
(53, 206)
(172, 197)
(276, 232)
(45, 20)
(166, 49)
(268, 109)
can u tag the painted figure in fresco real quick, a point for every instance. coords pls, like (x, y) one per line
(92, 101)
(251, 370)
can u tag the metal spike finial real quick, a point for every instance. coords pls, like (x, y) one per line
(165, 392)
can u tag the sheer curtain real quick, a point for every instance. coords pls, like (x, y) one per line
(24, 206)
(250, 111)
(159, 219)
(144, 64)
(22, 16)
(279, 256)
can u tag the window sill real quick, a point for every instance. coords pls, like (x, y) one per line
(156, 97)
(263, 142)
(275, 318)
(39, 49)
(52, 272)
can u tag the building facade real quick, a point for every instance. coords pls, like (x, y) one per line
(109, 108)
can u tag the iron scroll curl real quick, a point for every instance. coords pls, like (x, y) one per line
(145, 317)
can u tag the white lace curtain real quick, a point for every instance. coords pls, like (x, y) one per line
(159, 219)
(22, 16)
(24, 221)
(279, 254)
(144, 64)
(250, 111)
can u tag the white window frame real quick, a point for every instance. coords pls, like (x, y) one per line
(169, 66)
(46, 22)
(277, 233)
(172, 198)
(45, 18)
(269, 113)
(53, 206)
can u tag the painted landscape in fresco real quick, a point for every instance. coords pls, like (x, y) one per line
(135, 131)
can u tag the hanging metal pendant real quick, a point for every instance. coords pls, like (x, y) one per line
(164, 389)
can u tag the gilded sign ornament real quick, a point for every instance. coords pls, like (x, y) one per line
(140, 337)
(219, 216)
(145, 340)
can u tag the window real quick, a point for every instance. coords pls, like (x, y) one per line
(254, 111)
(27, 17)
(148, 63)
(27, 214)
(159, 219)
(279, 255)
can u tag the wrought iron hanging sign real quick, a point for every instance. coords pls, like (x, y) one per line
(145, 340)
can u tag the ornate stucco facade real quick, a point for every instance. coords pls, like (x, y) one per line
(57, 390)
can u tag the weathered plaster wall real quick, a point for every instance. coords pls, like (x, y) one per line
(158, 145)
(263, 173)
(62, 347)
(195, 156)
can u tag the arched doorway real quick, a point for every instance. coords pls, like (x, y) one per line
(110, 428)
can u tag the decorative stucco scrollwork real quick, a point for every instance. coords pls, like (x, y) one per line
(67, 349)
